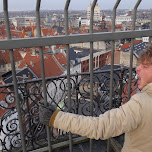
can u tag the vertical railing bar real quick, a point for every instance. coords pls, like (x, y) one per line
(42, 69)
(91, 66)
(150, 38)
(11, 53)
(68, 67)
(131, 51)
(112, 63)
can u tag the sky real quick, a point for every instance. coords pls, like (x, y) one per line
(22, 5)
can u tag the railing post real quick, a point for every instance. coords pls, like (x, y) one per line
(6, 18)
(42, 69)
(68, 67)
(132, 49)
(121, 80)
(121, 84)
(112, 63)
(91, 66)
(77, 92)
(25, 97)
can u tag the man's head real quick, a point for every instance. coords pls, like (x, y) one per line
(144, 70)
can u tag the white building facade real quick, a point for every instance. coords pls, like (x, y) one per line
(96, 12)
(120, 19)
(23, 21)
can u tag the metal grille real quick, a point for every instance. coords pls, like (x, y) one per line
(67, 40)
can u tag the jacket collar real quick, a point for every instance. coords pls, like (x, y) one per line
(147, 88)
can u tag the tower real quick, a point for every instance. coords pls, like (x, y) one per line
(130, 12)
(103, 22)
(47, 18)
(96, 12)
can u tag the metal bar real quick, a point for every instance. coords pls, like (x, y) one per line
(112, 63)
(132, 48)
(91, 66)
(42, 68)
(11, 53)
(112, 52)
(77, 92)
(62, 144)
(71, 39)
(25, 97)
(57, 77)
(115, 144)
(68, 67)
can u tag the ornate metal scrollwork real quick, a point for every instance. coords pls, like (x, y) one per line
(30, 93)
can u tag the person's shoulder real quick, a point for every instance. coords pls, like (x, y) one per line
(139, 97)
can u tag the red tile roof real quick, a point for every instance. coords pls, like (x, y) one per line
(16, 33)
(60, 46)
(33, 62)
(5, 55)
(3, 31)
(118, 26)
(2, 61)
(61, 58)
(126, 45)
(48, 31)
(109, 29)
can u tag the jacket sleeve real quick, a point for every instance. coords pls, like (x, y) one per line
(110, 124)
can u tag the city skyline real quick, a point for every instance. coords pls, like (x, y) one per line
(15, 5)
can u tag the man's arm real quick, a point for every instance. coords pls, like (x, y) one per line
(112, 123)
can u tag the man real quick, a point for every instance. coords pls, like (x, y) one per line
(133, 118)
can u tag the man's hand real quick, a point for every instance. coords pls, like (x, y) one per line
(45, 113)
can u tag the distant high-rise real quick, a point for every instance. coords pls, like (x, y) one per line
(96, 12)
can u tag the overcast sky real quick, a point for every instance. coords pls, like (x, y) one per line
(16, 5)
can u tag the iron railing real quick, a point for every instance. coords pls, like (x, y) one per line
(31, 92)
(18, 99)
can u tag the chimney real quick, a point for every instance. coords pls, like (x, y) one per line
(32, 64)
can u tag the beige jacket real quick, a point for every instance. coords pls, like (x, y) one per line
(133, 118)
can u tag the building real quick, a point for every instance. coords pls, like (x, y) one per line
(116, 58)
(33, 62)
(21, 74)
(96, 12)
(5, 63)
(124, 18)
(125, 54)
(78, 22)
(100, 45)
(23, 21)
(83, 55)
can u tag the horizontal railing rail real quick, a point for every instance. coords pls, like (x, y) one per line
(71, 39)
